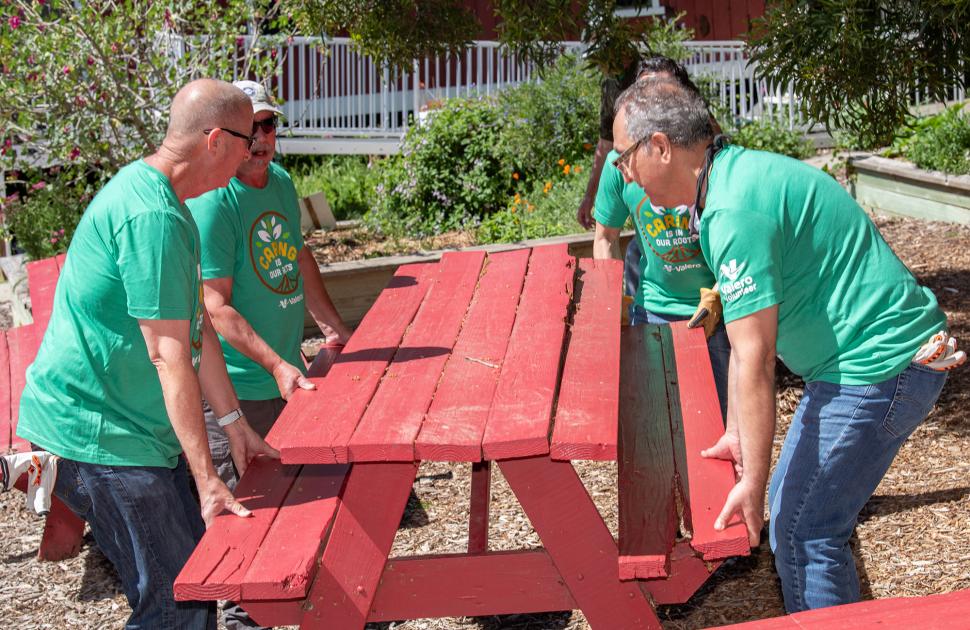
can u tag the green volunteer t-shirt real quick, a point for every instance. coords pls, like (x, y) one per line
(92, 394)
(252, 235)
(782, 232)
(672, 269)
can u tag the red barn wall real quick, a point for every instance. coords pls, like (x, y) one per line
(717, 19)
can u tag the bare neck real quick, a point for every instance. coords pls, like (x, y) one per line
(175, 164)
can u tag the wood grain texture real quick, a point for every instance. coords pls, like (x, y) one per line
(22, 349)
(287, 558)
(586, 412)
(518, 423)
(647, 507)
(389, 427)
(216, 568)
(42, 281)
(360, 539)
(316, 425)
(710, 480)
(687, 574)
(581, 546)
(455, 424)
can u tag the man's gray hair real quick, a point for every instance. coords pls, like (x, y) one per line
(661, 105)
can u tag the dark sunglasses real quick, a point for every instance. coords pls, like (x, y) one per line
(268, 126)
(250, 140)
(623, 157)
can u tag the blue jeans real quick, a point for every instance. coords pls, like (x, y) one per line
(631, 269)
(718, 348)
(147, 523)
(841, 442)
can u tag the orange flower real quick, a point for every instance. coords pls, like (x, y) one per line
(578, 169)
(562, 161)
(517, 199)
(530, 207)
(515, 176)
(587, 146)
(547, 188)
(565, 169)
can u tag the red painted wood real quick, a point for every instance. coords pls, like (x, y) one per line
(586, 412)
(455, 423)
(518, 423)
(582, 548)
(41, 280)
(687, 574)
(480, 499)
(63, 533)
(286, 559)
(648, 516)
(270, 613)
(460, 585)
(710, 480)
(216, 568)
(326, 356)
(22, 349)
(60, 259)
(390, 425)
(6, 419)
(316, 425)
(360, 539)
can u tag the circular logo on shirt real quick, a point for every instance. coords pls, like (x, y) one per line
(666, 231)
(272, 253)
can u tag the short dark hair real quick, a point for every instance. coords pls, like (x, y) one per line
(658, 64)
(663, 105)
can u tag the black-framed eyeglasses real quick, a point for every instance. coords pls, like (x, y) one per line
(623, 157)
(250, 140)
(268, 125)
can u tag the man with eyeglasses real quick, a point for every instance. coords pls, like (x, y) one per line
(115, 391)
(671, 273)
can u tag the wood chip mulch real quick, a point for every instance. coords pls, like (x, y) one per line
(910, 539)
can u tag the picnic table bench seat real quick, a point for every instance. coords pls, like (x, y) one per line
(511, 359)
(63, 530)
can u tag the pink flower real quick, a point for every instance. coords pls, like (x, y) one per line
(14, 21)
(54, 240)
(39, 185)
(67, 70)
(90, 61)
(239, 42)
(272, 53)
(75, 152)
(114, 48)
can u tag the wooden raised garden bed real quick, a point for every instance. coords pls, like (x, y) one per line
(896, 187)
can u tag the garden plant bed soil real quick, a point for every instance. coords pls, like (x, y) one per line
(358, 243)
(910, 540)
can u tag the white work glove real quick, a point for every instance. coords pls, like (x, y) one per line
(940, 353)
(41, 470)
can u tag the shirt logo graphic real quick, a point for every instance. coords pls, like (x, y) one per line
(731, 270)
(273, 254)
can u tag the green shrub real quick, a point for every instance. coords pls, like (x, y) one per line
(938, 143)
(775, 136)
(450, 173)
(346, 180)
(547, 208)
(44, 220)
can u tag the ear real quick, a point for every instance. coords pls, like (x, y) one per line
(213, 140)
(663, 145)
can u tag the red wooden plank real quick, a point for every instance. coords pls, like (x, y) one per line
(326, 355)
(710, 480)
(6, 419)
(393, 418)
(370, 510)
(216, 568)
(316, 425)
(687, 573)
(60, 259)
(647, 508)
(470, 585)
(455, 423)
(22, 349)
(582, 548)
(586, 413)
(518, 423)
(478, 510)
(63, 533)
(41, 280)
(286, 560)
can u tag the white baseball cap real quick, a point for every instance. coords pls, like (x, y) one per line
(262, 102)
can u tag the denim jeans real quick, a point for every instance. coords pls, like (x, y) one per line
(841, 442)
(631, 268)
(718, 348)
(147, 523)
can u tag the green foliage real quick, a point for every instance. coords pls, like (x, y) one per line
(347, 181)
(43, 220)
(775, 136)
(450, 173)
(89, 83)
(548, 208)
(557, 118)
(938, 143)
(856, 64)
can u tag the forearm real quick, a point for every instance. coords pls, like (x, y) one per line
(606, 243)
(755, 414)
(321, 307)
(603, 147)
(183, 403)
(731, 423)
(213, 377)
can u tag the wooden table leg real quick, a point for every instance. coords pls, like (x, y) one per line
(363, 530)
(480, 496)
(572, 531)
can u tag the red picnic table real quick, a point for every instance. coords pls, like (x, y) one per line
(511, 358)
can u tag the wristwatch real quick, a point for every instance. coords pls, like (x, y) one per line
(230, 417)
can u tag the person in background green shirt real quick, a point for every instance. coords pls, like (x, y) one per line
(116, 388)
(805, 274)
(256, 273)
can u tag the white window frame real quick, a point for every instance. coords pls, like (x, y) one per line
(652, 8)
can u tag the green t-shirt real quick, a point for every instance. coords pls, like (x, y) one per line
(781, 232)
(672, 269)
(252, 235)
(92, 394)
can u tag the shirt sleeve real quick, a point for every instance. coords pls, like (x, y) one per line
(217, 233)
(744, 250)
(158, 266)
(609, 208)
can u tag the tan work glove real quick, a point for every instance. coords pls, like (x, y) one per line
(708, 312)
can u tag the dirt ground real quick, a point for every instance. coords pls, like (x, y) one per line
(910, 539)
